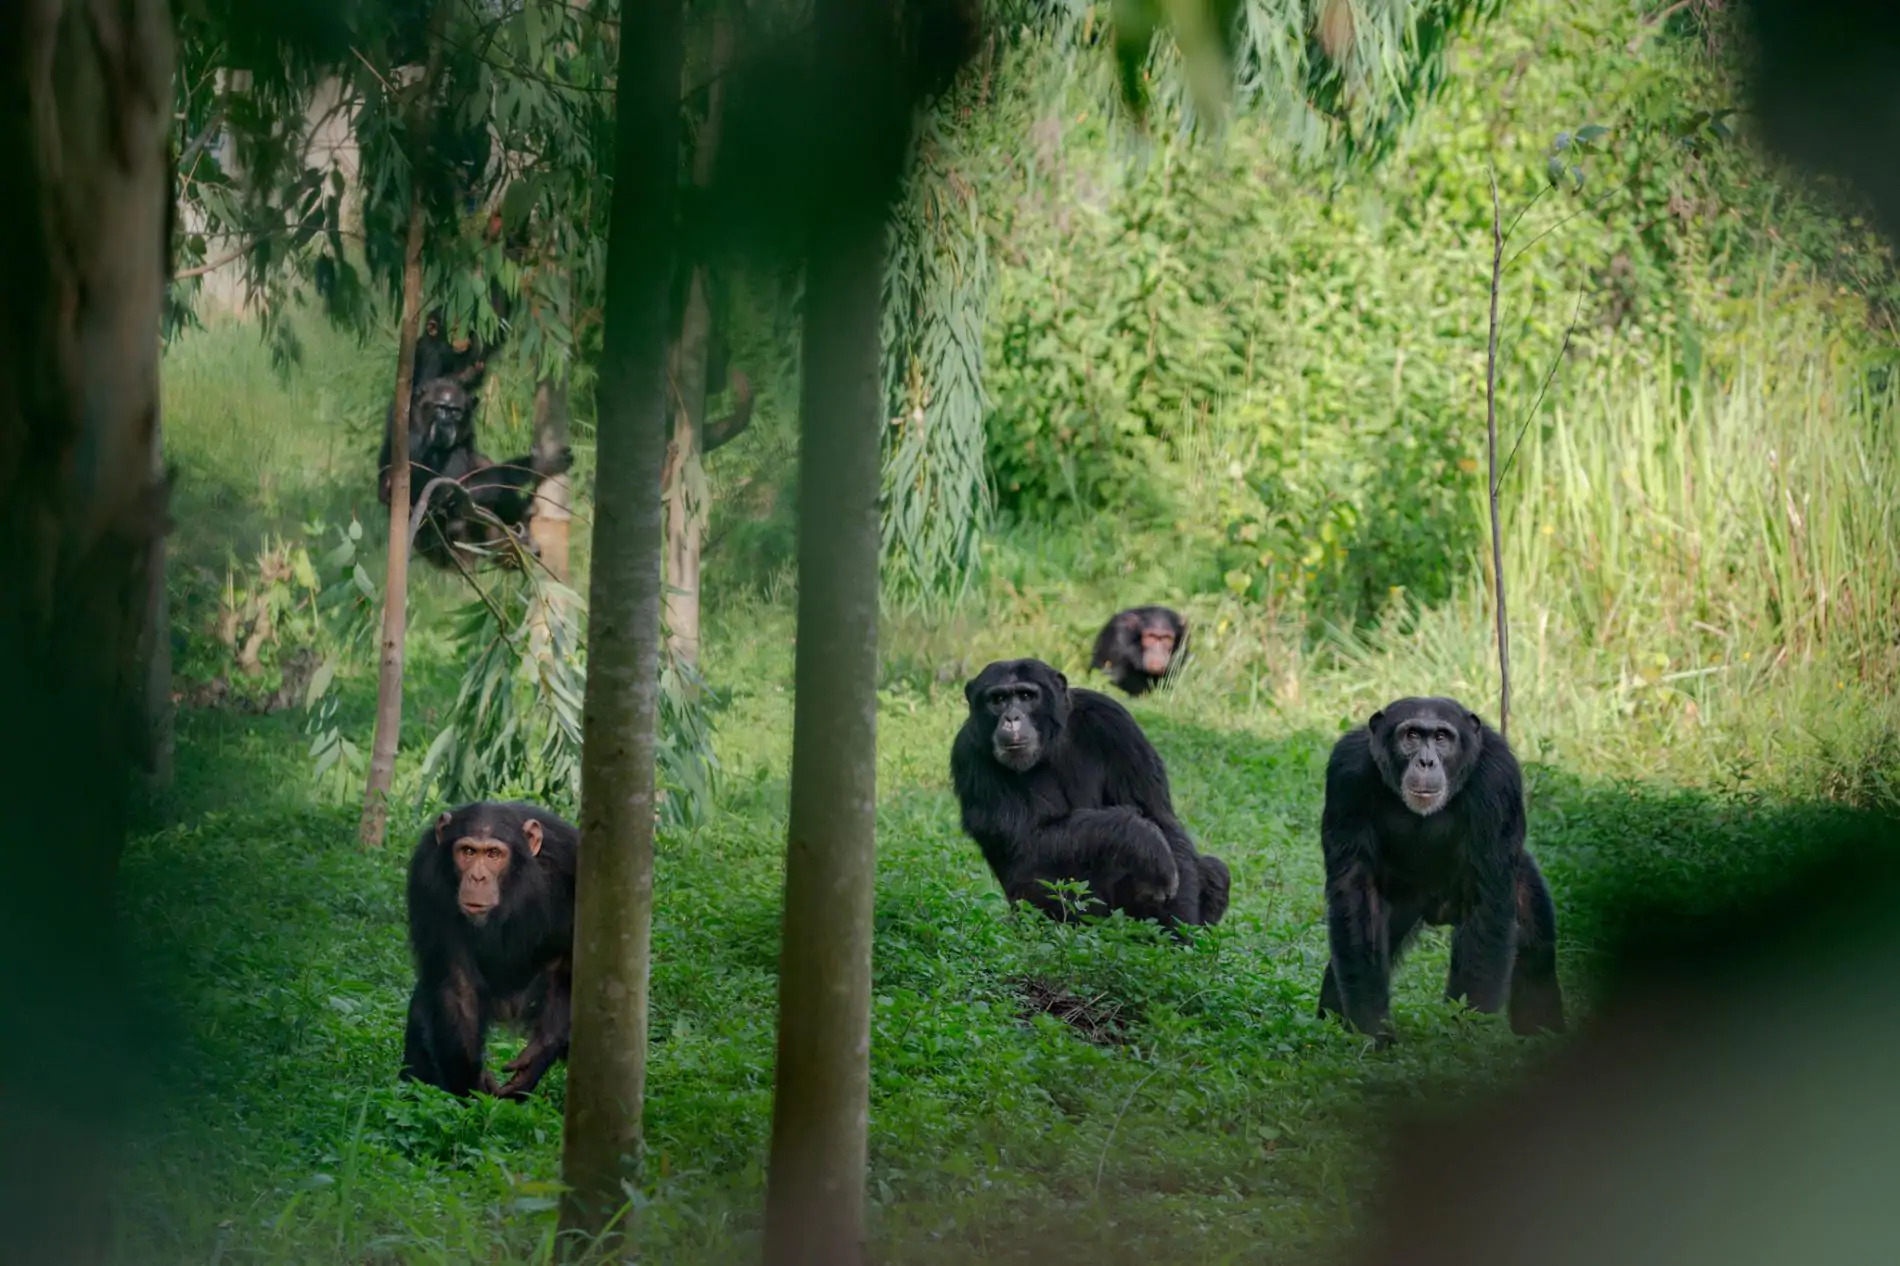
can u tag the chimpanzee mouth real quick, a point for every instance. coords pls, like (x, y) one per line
(1423, 800)
(477, 913)
(1017, 756)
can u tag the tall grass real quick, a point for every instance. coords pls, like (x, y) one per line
(1712, 520)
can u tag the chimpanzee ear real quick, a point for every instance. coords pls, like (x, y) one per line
(969, 692)
(1062, 683)
(531, 831)
(1372, 722)
(440, 823)
(1477, 722)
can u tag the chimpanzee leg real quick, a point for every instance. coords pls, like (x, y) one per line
(1536, 998)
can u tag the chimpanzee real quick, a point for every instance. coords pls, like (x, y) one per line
(441, 422)
(491, 925)
(1138, 647)
(1424, 822)
(465, 360)
(486, 511)
(1061, 784)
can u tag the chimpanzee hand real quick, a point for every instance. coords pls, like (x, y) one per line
(489, 1085)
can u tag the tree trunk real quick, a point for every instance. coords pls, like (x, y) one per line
(382, 758)
(552, 515)
(85, 112)
(373, 827)
(684, 482)
(685, 479)
(814, 1209)
(614, 912)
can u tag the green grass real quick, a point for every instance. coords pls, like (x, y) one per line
(1228, 1123)
(1222, 1122)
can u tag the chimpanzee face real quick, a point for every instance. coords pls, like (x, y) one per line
(482, 861)
(1425, 750)
(445, 415)
(1024, 702)
(1157, 649)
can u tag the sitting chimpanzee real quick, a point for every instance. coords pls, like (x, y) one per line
(491, 924)
(1139, 646)
(484, 512)
(1424, 822)
(1060, 784)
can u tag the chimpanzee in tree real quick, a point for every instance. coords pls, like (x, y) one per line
(491, 925)
(1139, 647)
(1424, 823)
(1061, 784)
(482, 512)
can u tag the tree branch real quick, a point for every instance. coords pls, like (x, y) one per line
(1491, 437)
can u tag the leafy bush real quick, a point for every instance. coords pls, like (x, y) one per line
(1289, 372)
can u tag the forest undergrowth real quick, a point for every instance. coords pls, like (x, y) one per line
(1212, 386)
(1057, 1094)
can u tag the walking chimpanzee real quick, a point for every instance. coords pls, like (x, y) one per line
(1424, 823)
(491, 925)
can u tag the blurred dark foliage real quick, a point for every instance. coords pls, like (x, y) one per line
(1826, 87)
(778, 168)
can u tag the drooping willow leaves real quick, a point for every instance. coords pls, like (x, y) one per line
(515, 727)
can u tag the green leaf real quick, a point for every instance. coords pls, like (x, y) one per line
(1591, 133)
(319, 682)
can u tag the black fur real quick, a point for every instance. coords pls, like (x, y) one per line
(514, 965)
(1388, 869)
(1118, 646)
(485, 513)
(1094, 804)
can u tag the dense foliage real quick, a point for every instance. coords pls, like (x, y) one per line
(1213, 311)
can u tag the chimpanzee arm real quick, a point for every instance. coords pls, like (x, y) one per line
(1100, 841)
(551, 1032)
(1133, 770)
(1482, 946)
(449, 1008)
(1024, 838)
(1356, 915)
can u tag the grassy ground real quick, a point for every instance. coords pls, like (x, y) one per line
(1190, 1105)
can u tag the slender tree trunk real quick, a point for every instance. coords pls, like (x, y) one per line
(814, 1212)
(85, 122)
(373, 827)
(614, 911)
(552, 513)
(1491, 450)
(382, 757)
(685, 480)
